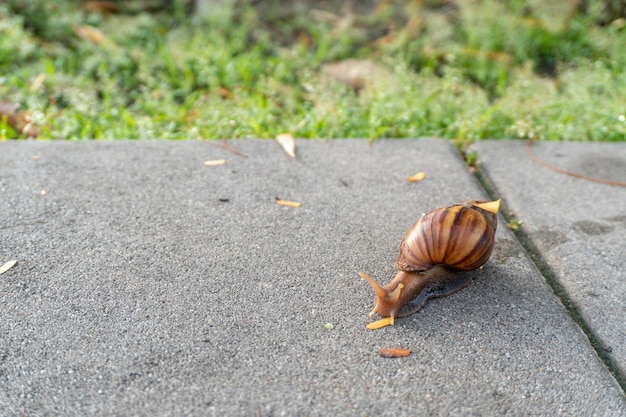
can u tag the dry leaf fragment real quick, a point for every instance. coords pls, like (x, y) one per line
(288, 144)
(214, 162)
(19, 121)
(101, 6)
(354, 72)
(287, 203)
(38, 82)
(8, 265)
(417, 177)
(379, 323)
(394, 352)
(90, 33)
(225, 93)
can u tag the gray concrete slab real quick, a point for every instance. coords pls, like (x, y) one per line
(140, 292)
(578, 225)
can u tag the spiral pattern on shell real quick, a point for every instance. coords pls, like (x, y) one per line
(460, 237)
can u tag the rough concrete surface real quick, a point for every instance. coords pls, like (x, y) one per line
(149, 284)
(578, 225)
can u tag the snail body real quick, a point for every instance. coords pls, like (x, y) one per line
(435, 252)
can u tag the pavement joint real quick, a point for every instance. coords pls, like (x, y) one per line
(544, 268)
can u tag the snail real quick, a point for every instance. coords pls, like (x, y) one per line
(435, 251)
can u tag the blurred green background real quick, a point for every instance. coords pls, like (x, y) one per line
(179, 69)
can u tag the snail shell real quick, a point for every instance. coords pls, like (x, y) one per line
(450, 239)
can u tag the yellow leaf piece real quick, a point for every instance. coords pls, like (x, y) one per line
(491, 206)
(417, 177)
(8, 265)
(214, 162)
(514, 224)
(287, 203)
(379, 323)
(394, 352)
(287, 143)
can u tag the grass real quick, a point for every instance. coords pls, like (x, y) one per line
(463, 69)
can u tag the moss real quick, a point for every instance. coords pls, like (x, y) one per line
(485, 70)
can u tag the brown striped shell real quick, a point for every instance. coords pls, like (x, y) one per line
(460, 237)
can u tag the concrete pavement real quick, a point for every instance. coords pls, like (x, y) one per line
(578, 225)
(150, 284)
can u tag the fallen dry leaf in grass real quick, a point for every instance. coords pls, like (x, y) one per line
(354, 72)
(417, 177)
(8, 265)
(287, 203)
(101, 6)
(38, 82)
(225, 93)
(18, 121)
(394, 352)
(288, 144)
(90, 33)
(214, 162)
